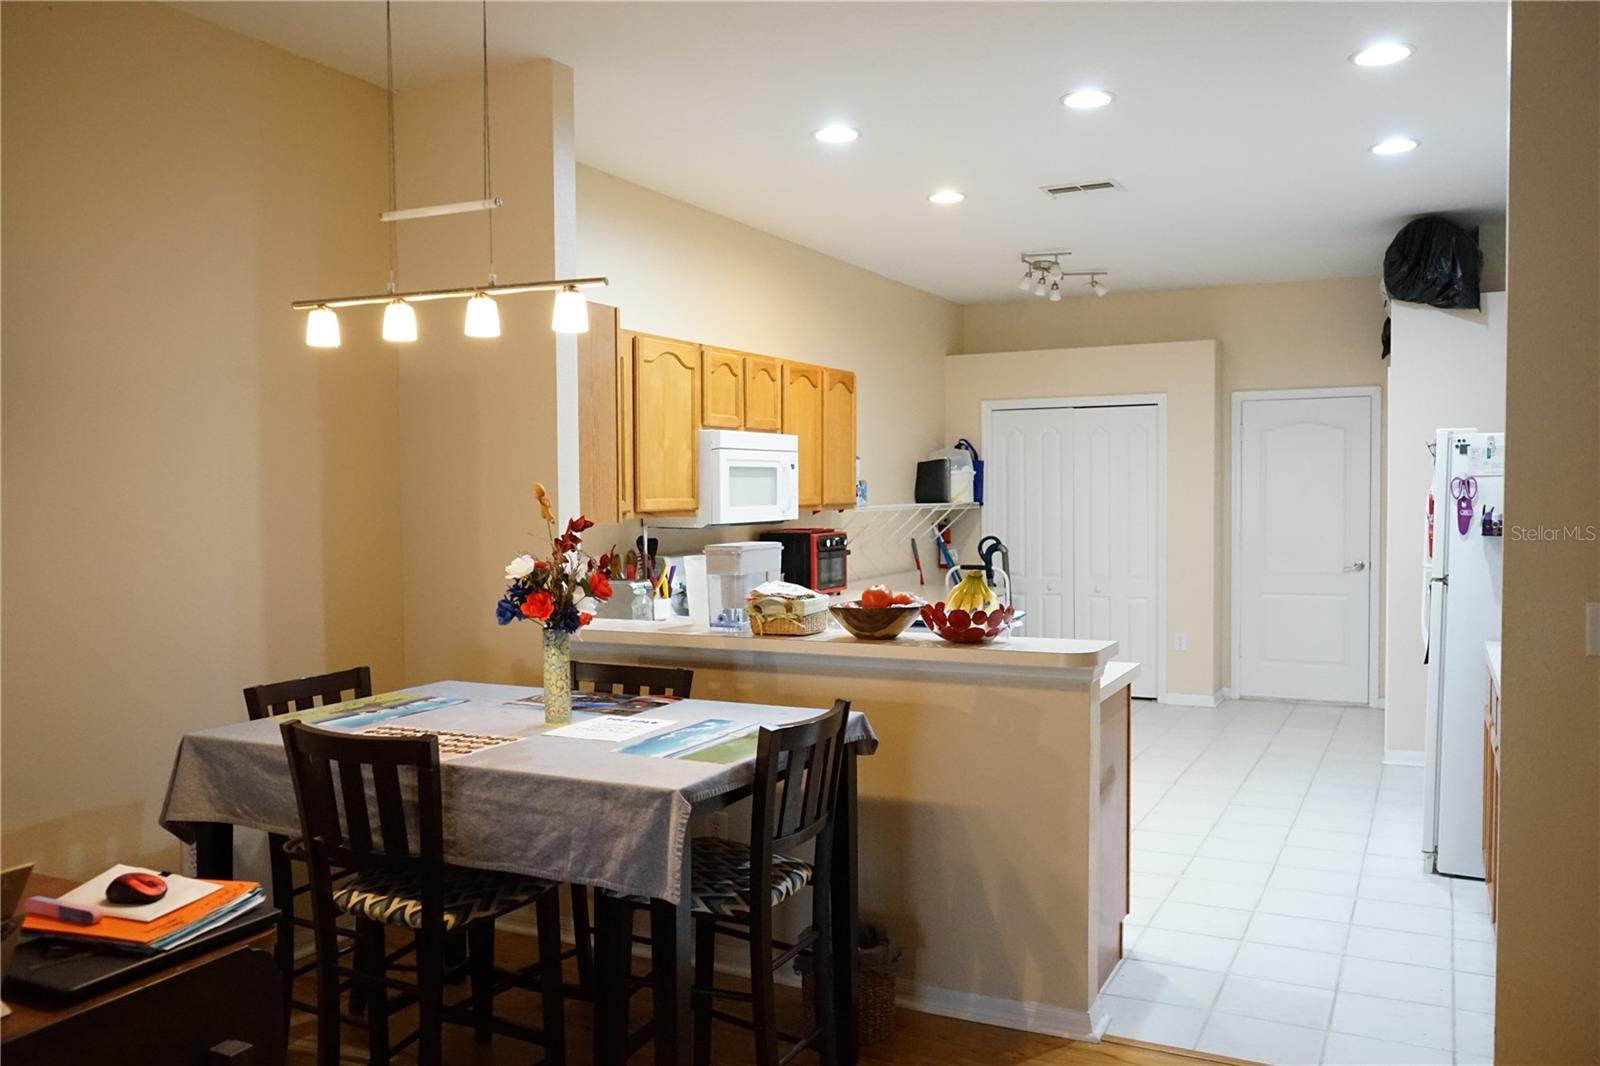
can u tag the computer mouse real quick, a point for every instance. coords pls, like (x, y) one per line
(136, 888)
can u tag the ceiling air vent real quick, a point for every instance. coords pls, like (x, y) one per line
(1058, 191)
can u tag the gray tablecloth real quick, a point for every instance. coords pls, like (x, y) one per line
(567, 810)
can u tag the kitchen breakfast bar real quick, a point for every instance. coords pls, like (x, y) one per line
(993, 820)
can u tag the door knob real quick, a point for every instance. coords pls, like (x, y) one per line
(1355, 568)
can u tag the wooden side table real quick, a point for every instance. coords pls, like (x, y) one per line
(223, 1006)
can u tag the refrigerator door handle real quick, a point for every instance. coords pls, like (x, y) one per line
(1355, 568)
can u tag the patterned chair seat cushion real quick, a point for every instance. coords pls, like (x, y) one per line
(395, 898)
(720, 870)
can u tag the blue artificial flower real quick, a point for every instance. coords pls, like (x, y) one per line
(508, 610)
(566, 619)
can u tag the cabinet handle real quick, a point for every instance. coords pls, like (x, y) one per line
(1355, 568)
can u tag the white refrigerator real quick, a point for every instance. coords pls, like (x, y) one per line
(1465, 564)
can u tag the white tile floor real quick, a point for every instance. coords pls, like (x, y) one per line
(1280, 913)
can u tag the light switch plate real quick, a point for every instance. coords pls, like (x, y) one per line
(1592, 641)
(1180, 641)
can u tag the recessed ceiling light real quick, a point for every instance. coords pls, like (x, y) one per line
(1085, 99)
(947, 196)
(837, 134)
(1382, 54)
(1393, 146)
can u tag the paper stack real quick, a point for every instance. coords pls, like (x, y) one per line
(190, 908)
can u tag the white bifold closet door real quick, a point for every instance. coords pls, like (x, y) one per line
(1116, 533)
(1075, 494)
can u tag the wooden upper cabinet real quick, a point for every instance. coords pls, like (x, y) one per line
(802, 416)
(666, 421)
(600, 423)
(626, 341)
(721, 389)
(838, 438)
(763, 393)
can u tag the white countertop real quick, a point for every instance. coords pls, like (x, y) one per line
(1118, 676)
(918, 649)
(1492, 651)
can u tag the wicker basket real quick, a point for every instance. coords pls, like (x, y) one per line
(879, 965)
(786, 625)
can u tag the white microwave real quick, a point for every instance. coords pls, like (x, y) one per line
(745, 478)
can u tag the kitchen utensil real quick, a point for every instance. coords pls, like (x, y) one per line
(963, 627)
(876, 623)
(917, 558)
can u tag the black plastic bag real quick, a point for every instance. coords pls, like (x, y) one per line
(1433, 261)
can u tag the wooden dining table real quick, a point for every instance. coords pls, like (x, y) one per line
(568, 810)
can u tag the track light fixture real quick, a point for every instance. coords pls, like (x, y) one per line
(1043, 275)
(483, 315)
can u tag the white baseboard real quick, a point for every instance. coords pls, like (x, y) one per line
(1403, 757)
(1039, 1018)
(1186, 699)
(1226, 692)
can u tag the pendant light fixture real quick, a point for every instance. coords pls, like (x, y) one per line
(399, 317)
(322, 327)
(483, 316)
(571, 312)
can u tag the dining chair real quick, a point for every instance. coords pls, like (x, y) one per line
(627, 681)
(284, 854)
(398, 878)
(736, 888)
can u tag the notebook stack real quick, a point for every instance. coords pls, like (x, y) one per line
(190, 909)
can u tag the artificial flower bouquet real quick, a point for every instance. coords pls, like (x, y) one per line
(561, 593)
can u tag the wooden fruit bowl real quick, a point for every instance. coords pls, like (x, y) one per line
(875, 623)
(963, 627)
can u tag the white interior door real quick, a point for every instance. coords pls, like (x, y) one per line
(1303, 568)
(1028, 505)
(1116, 532)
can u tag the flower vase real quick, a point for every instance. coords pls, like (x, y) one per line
(557, 676)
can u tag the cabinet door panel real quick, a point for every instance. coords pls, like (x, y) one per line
(666, 468)
(721, 389)
(763, 393)
(802, 416)
(838, 438)
(626, 342)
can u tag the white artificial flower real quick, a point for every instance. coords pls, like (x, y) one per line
(589, 605)
(520, 567)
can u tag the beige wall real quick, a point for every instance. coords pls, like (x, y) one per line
(1448, 368)
(193, 499)
(1187, 374)
(683, 272)
(478, 418)
(1290, 335)
(1548, 980)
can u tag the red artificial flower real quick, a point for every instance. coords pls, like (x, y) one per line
(584, 618)
(579, 524)
(538, 606)
(600, 585)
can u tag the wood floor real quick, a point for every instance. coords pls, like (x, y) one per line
(919, 1039)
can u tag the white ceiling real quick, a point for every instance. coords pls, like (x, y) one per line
(1240, 131)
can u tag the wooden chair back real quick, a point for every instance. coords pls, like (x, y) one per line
(304, 693)
(632, 680)
(331, 774)
(797, 781)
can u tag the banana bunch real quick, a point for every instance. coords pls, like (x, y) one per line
(972, 594)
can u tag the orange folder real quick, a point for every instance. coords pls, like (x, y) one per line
(139, 934)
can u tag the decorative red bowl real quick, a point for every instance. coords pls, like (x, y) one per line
(967, 627)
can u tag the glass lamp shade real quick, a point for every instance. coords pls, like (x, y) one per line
(483, 317)
(571, 313)
(322, 328)
(1055, 290)
(399, 322)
